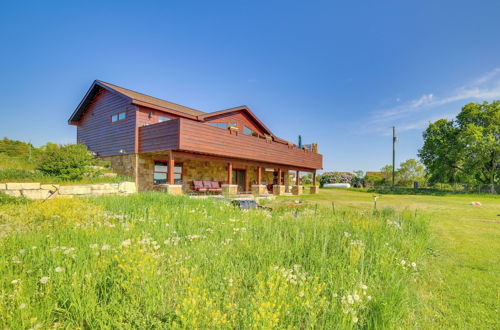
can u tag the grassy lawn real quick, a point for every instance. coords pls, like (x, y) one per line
(461, 287)
(152, 261)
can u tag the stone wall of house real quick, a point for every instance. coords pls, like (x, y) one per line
(191, 170)
(122, 164)
(34, 190)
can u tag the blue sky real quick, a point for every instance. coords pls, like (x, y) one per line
(338, 73)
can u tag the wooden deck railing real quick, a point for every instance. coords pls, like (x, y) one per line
(192, 136)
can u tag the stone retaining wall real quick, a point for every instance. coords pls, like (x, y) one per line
(33, 190)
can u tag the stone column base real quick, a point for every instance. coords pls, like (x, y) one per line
(278, 189)
(229, 189)
(314, 189)
(259, 189)
(297, 190)
(171, 189)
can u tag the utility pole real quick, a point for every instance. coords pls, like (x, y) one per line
(394, 139)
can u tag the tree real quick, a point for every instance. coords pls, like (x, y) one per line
(69, 162)
(466, 149)
(410, 171)
(387, 174)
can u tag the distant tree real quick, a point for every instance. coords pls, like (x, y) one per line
(374, 179)
(387, 174)
(465, 149)
(307, 179)
(410, 171)
(358, 179)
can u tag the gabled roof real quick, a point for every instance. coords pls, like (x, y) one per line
(135, 98)
(242, 108)
(156, 103)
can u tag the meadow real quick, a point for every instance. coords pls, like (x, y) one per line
(460, 286)
(157, 261)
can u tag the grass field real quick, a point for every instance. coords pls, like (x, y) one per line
(157, 261)
(461, 285)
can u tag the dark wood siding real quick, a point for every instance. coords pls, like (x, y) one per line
(161, 136)
(102, 136)
(240, 118)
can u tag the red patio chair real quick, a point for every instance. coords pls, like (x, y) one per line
(215, 187)
(198, 186)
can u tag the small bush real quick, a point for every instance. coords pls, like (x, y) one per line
(68, 162)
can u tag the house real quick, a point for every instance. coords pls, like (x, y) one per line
(165, 145)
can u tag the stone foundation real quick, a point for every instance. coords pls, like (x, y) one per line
(314, 189)
(278, 190)
(297, 190)
(259, 190)
(37, 191)
(229, 189)
(171, 189)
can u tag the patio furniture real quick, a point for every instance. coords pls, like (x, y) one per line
(199, 187)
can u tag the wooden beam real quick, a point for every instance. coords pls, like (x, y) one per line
(235, 161)
(171, 165)
(230, 173)
(259, 175)
(297, 178)
(279, 176)
(314, 178)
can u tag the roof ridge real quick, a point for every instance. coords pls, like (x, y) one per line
(154, 97)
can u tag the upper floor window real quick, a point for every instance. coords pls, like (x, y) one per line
(162, 119)
(118, 116)
(222, 125)
(248, 131)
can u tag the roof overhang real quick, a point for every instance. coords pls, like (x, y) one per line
(242, 108)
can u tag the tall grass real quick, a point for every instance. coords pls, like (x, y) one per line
(152, 260)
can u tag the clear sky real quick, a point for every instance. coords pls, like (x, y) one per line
(339, 73)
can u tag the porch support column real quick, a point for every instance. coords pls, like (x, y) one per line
(171, 165)
(259, 189)
(229, 189)
(259, 175)
(279, 177)
(297, 189)
(229, 173)
(314, 188)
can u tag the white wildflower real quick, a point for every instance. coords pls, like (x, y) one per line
(22, 251)
(355, 319)
(94, 246)
(59, 269)
(346, 234)
(44, 279)
(126, 243)
(14, 282)
(22, 306)
(105, 247)
(363, 286)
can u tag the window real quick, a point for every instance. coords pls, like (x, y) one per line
(162, 119)
(160, 172)
(177, 173)
(118, 116)
(222, 125)
(248, 131)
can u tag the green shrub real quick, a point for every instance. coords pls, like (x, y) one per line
(68, 162)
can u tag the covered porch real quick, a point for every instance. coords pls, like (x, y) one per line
(182, 172)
